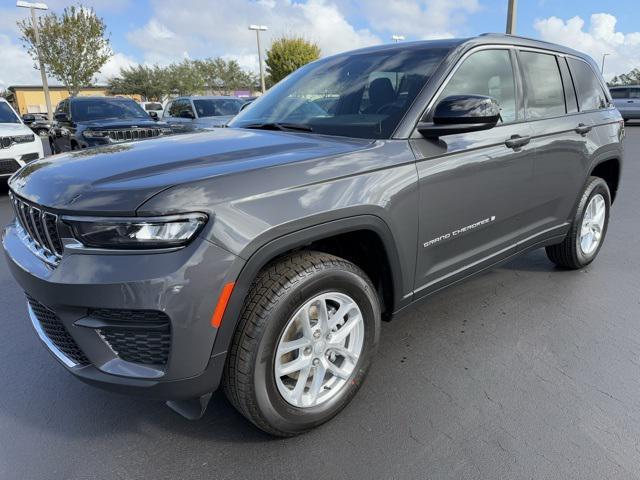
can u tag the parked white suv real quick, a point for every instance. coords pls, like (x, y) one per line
(18, 144)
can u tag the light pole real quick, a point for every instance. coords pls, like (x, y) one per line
(258, 29)
(604, 55)
(45, 86)
(511, 17)
(397, 38)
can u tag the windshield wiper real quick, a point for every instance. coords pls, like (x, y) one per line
(280, 126)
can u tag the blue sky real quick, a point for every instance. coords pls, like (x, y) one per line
(162, 31)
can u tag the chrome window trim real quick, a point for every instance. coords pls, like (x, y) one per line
(68, 362)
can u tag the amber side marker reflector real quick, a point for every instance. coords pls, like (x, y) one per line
(216, 320)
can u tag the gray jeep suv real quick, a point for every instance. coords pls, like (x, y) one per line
(263, 257)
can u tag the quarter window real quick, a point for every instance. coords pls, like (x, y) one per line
(620, 93)
(489, 73)
(545, 93)
(591, 96)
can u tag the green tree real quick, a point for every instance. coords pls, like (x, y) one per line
(148, 81)
(73, 45)
(287, 54)
(184, 78)
(631, 78)
(224, 76)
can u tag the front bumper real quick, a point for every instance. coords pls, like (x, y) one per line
(18, 155)
(183, 285)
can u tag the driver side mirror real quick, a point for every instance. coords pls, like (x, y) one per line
(62, 117)
(153, 115)
(461, 114)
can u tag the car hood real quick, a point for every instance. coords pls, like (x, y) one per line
(117, 179)
(7, 129)
(122, 123)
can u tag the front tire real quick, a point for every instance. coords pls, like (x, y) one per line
(588, 228)
(304, 343)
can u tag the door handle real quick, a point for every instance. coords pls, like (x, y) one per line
(517, 141)
(583, 129)
(629, 101)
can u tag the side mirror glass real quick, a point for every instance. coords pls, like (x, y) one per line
(61, 117)
(153, 115)
(462, 114)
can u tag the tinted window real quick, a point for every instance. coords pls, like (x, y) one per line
(97, 109)
(490, 73)
(217, 107)
(353, 95)
(634, 93)
(590, 93)
(7, 115)
(545, 94)
(569, 90)
(153, 106)
(619, 93)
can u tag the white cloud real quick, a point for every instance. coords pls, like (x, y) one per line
(113, 66)
(599, 38)
(203, 31)
(17, 64)
(423, 19)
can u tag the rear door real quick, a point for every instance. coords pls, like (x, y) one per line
(551, 109)
(474, 189)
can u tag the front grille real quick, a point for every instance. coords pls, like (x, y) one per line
(40, 229)
(138, 336)
(122, 135)
(57, 332)
(8, 166)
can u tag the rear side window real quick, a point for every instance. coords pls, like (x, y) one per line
(545, 93)
(591, 96)
(490, 73)
(619, 93)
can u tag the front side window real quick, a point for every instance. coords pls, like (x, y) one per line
(545, 94)
(489, 73)
(362, 94)
(634, 93)
(99, 109)
(591, 96)
(7, 115)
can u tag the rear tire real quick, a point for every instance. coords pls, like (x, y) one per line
(283, 293)
(588, 228)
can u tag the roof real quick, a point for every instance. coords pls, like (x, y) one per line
(484, 39)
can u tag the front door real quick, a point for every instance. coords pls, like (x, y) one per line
(474, 187)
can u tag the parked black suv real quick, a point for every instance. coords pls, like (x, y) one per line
(263, 256)
(82, 122)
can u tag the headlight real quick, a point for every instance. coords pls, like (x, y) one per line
(23, 138)
(132, 233)
(95, 134)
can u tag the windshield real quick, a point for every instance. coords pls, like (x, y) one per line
(85, 110)
(152, 106)
(362, 95)
(217, 107)
(7, 115)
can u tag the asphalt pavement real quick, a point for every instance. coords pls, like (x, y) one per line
(525, 372)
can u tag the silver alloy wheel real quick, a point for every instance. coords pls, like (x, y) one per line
(592, 224)
(319, 349)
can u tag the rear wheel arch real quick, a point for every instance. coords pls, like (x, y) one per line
(330, 238)
(609, 171)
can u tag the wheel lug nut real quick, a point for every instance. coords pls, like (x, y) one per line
(307, 351)
(316, 362)
(317, 334)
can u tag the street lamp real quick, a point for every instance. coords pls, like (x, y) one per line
(258, 29)
(397, 38)
(511, 17)
(33, 6)
(604, 55)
